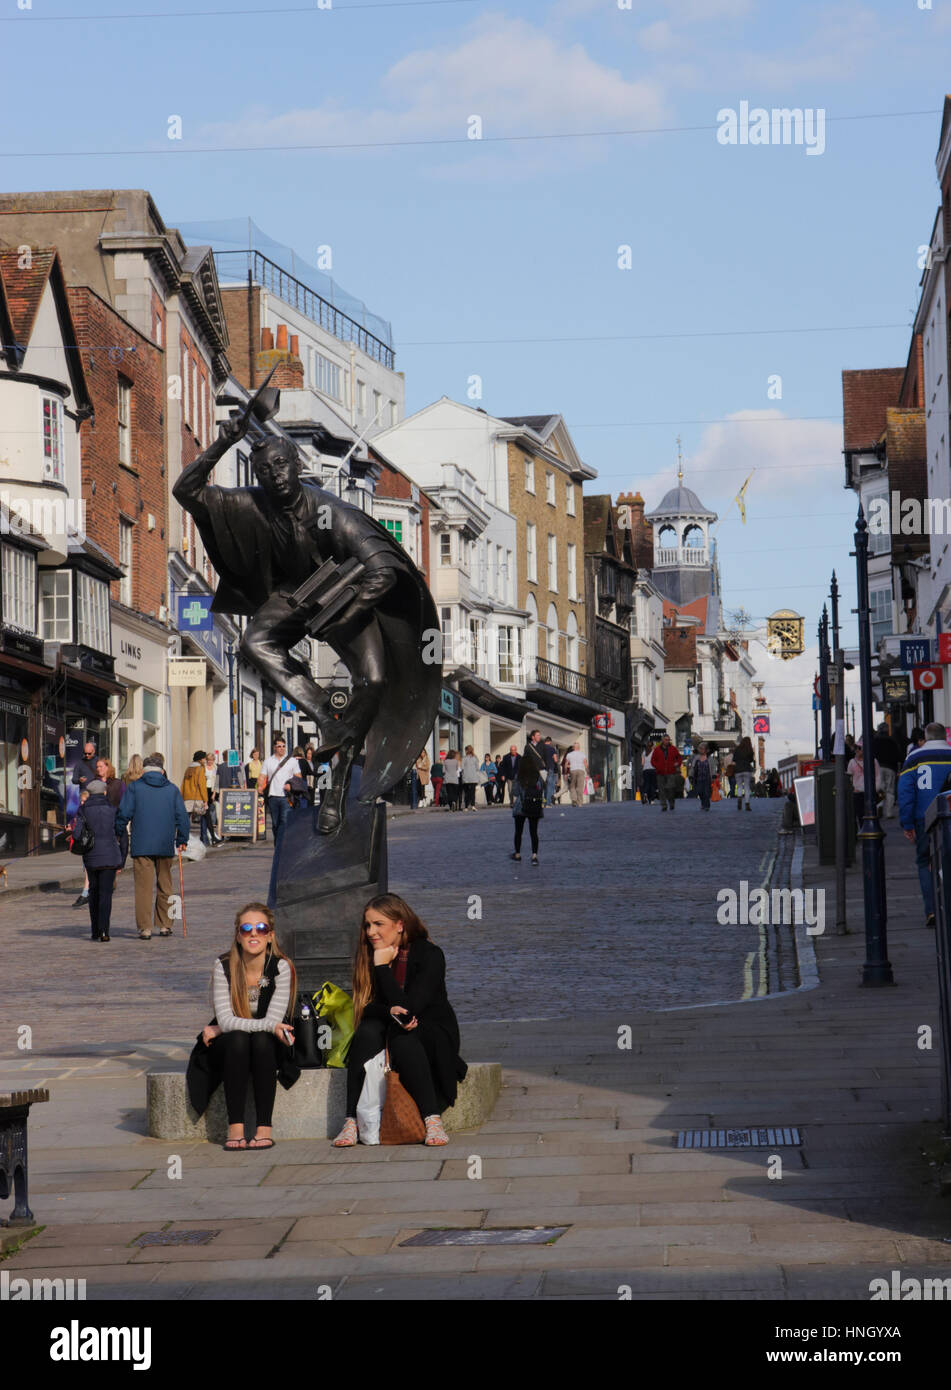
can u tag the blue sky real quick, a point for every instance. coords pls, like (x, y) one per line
(467, 246)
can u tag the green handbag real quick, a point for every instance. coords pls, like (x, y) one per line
(334, 1006)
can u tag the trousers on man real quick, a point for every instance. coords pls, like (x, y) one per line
(668, 787)
(152, 876)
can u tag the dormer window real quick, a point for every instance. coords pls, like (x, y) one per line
(53, 469)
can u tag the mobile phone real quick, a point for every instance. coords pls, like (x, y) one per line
(404, 1020)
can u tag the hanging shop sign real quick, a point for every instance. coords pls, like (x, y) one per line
(914, 651)
(186, 671)
(928, 677)
(897, 689)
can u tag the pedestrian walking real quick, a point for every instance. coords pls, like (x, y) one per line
(252, 768)
(508, 771)
(83, 773)
(470, 776)
(250, 1038)
(135, 769)
(921, 779)
(648, 784)
(856, 770)
(421, 778)
(213, 788)
(744, 761)
(701, 777)
(528, 803)
(308, 769)
(886, 752)
(106, 773)
(550, 753)
(273, 778)
(666, 760)
(155, 808)
(452, 771)
(489, 771)
(194, 791)
(400, 1003)
(437, 774)
(576, 768)
(107, 857)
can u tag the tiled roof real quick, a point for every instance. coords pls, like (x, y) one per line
(23, 289)
(697, 608)
(866, 395)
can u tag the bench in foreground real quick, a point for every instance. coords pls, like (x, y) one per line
(311, 1109)
(14, 1115)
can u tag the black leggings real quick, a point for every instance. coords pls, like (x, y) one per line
(407, 1058)
(244, 1055)
(532, 830)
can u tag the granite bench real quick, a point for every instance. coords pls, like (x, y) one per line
(14, 1115)
(312, 1109)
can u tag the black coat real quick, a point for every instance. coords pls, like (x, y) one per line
(206, 1063)
(110, 850)
(508, 766)
(425, 997)
(531, 765)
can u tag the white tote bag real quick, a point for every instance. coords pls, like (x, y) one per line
(370, 1104)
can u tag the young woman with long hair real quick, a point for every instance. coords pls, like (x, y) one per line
(400, 1002)
(744, 761)
(254, 986)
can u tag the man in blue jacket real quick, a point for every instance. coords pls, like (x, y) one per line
(921, 778)
(155, 807)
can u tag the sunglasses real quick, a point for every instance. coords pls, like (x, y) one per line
(262, 928)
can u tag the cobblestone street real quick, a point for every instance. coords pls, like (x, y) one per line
(620, 913)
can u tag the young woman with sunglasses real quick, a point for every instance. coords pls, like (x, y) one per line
(253, 986)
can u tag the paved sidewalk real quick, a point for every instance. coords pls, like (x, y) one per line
(583, 1136)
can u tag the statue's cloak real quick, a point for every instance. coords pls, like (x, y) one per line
(240, 544)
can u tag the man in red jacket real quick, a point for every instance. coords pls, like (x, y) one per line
(665, 760)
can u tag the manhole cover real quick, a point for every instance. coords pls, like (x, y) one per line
(526, 1235)
(175, 1237)
(738, 1138)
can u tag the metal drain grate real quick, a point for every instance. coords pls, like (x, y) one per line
(739, 1138)
(526, 1235)
(176, 1237)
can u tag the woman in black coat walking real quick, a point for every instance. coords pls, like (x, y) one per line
(106, 858)
(528, 795)
(400, 1002)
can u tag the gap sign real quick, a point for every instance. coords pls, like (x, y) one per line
(914, 651)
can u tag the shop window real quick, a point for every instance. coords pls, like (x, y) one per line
(150, 707)
(93, 613)
(18, 583)
(13, 746)
(56, 605)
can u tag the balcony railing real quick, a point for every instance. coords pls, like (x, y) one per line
(680, 555)
(570, 682)
(294, 292)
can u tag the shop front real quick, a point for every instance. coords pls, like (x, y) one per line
(140, 650)
(607, 754)
(83, 705)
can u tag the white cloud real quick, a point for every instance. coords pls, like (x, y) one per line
(517, 77)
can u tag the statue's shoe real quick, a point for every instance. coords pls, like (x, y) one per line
(330, 815)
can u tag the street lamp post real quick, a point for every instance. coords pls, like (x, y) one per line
(877, 969)
(841, 798)
(826, 711)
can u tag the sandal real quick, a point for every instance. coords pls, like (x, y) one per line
(261, 1143)
(436, 1136)
(347, 1137)
(235, 1146)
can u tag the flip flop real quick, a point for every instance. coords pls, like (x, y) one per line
(261, 1144)
(235, 1146)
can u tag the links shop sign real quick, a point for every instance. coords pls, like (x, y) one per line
(139, 659)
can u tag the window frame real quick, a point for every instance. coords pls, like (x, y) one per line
(552, 558)
(530, 475)
(550, 489)
(18, 601)
(93, 616)
(54, 463)
(126, 533)
(48, 628)
(124, 419)
(531, 552)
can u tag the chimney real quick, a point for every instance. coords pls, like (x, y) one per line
(267, 340)
(295, 345)
(282, 337)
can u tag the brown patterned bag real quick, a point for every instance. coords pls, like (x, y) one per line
(401, 1122)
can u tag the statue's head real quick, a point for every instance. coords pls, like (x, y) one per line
(276, 463)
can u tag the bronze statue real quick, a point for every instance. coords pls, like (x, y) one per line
(302, 563)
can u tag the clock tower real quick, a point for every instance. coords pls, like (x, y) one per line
(685, 564)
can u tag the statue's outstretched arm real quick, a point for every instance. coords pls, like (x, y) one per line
(194, 477)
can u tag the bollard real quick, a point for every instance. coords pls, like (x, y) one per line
(938, 826)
